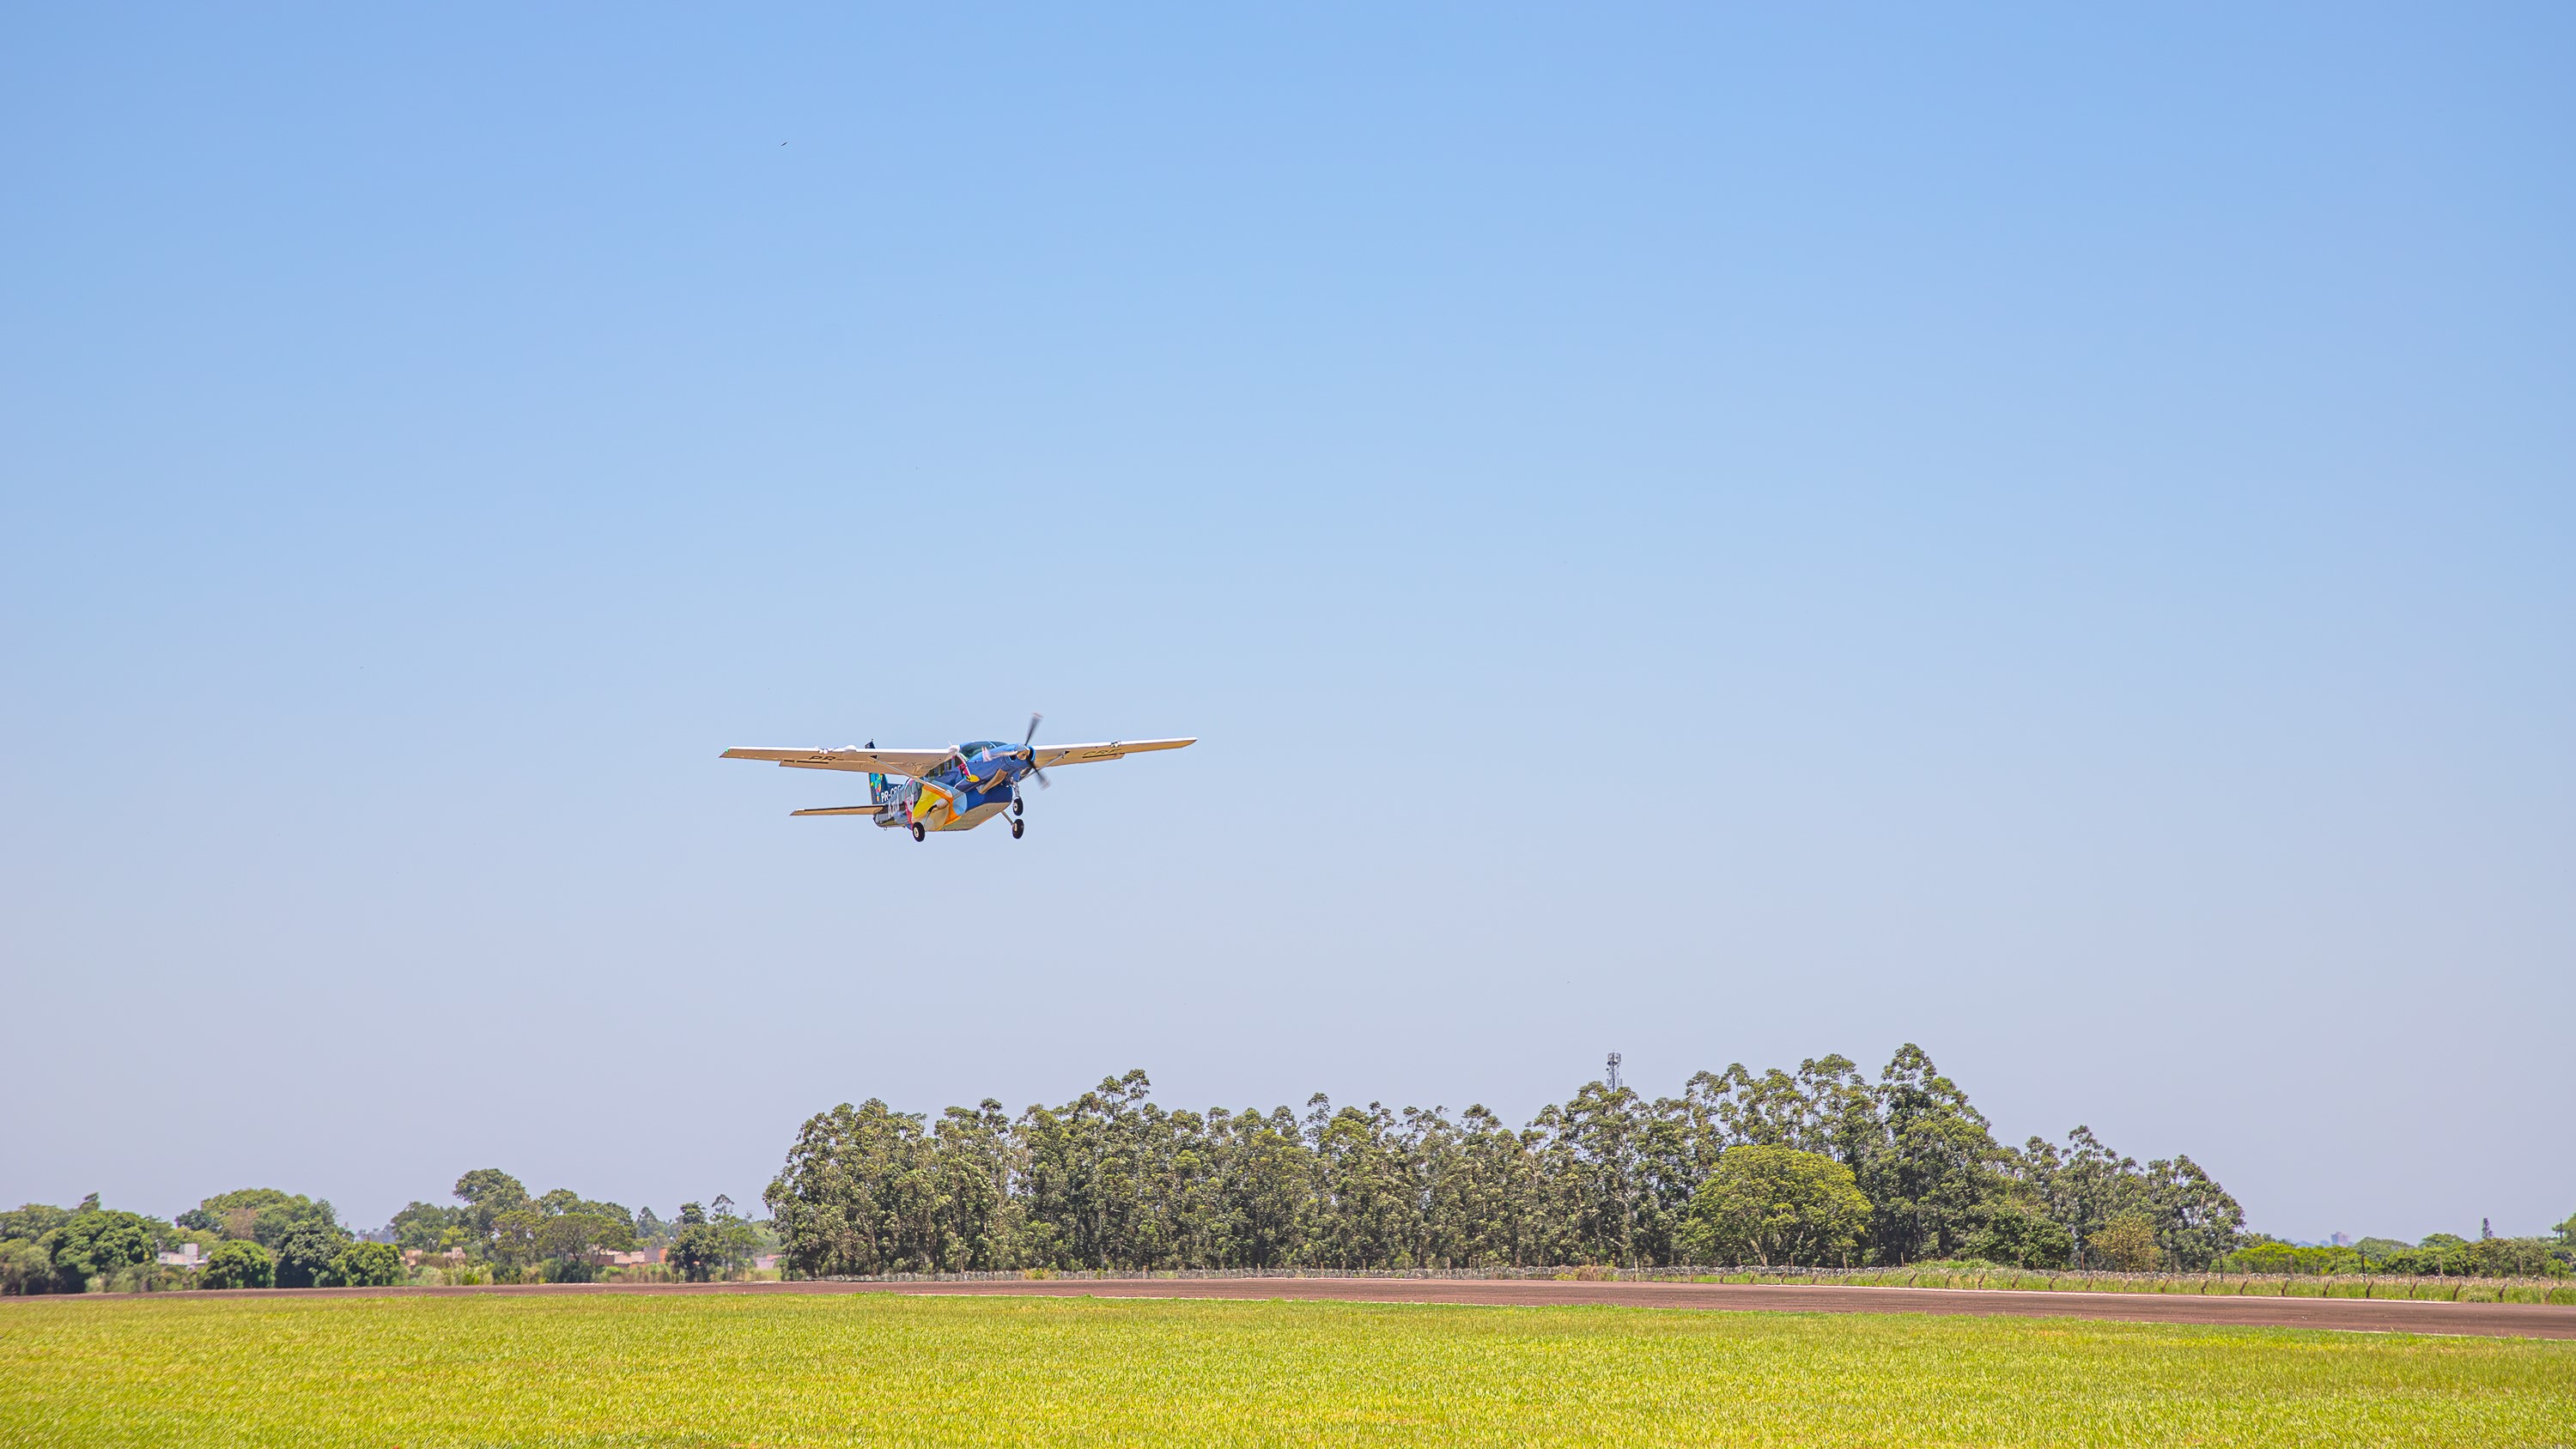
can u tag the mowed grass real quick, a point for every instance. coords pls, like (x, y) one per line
(741, 1369)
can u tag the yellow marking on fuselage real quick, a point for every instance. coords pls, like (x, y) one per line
(940, 802)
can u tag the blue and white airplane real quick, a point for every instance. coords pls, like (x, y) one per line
(957, 788)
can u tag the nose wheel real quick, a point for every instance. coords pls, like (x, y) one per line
(918, 833)
(1018, 827)
(1019, 806)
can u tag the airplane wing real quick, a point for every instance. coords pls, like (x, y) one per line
(1050, 756)
(841, 810)
(882, 762)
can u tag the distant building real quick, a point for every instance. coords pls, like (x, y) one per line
(2341, 1240)
(765, 1262)
(188, 1256)
(640, 1258)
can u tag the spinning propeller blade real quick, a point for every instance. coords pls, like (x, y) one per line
(1031, 755)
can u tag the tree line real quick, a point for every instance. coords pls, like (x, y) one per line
(1823, 1166)
(556, 1237)
(496, 1231)
(2439, 1255)
(1820, 1166)
(254, 1238)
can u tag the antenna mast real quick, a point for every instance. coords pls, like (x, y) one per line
(1614, 1071)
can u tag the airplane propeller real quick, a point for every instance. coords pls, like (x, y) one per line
(1031, 755)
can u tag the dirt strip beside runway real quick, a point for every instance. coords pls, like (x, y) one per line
(2356, 1315)
(2506, 1320)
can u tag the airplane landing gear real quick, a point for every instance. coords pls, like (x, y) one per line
(1019, 806)
(918, 833)
(1018, 826)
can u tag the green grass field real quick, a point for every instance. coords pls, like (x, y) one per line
(874, 1368)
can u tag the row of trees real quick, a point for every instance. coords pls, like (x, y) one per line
(557, 1236)
(47, 1249)
(263, 1238)
(1823, 1165)
(2440, 1255)
(497, 1223)
(258, 1237)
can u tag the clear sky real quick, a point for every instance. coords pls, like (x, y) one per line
(1716, 534)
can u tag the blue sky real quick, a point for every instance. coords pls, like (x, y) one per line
(1716, 535)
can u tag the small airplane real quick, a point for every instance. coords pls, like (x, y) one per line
(957, 788)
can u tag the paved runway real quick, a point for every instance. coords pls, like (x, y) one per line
(2518, 1320)
(2502, 1320)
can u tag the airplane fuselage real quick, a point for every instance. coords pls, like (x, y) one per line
(976, 783)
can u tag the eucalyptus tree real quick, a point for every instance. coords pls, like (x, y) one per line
(1627, 1168)
(976, 1219)
(1193, 1195)
(1368, 1210)
(1933, 1173)
(1085, 1177)
(1503, 1203)
(2085, 1185)
(859, 1194)
(1266, 1187)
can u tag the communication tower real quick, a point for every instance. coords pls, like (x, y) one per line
(1614, 1071)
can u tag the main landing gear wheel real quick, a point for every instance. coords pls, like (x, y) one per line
(918, 833)
(1018, 826)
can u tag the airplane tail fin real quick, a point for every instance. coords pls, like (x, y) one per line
(876, 783)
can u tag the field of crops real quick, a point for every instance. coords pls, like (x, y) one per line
(754, 1370)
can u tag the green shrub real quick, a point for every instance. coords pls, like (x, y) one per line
(2513, 1258)
(697, 1251)
(25, 1267)
(366, 1265)
(570, 1270)
(2128, 1242)
(2291, 1259)
(239, 1265)
(2022, 1239)
(305, 1256)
